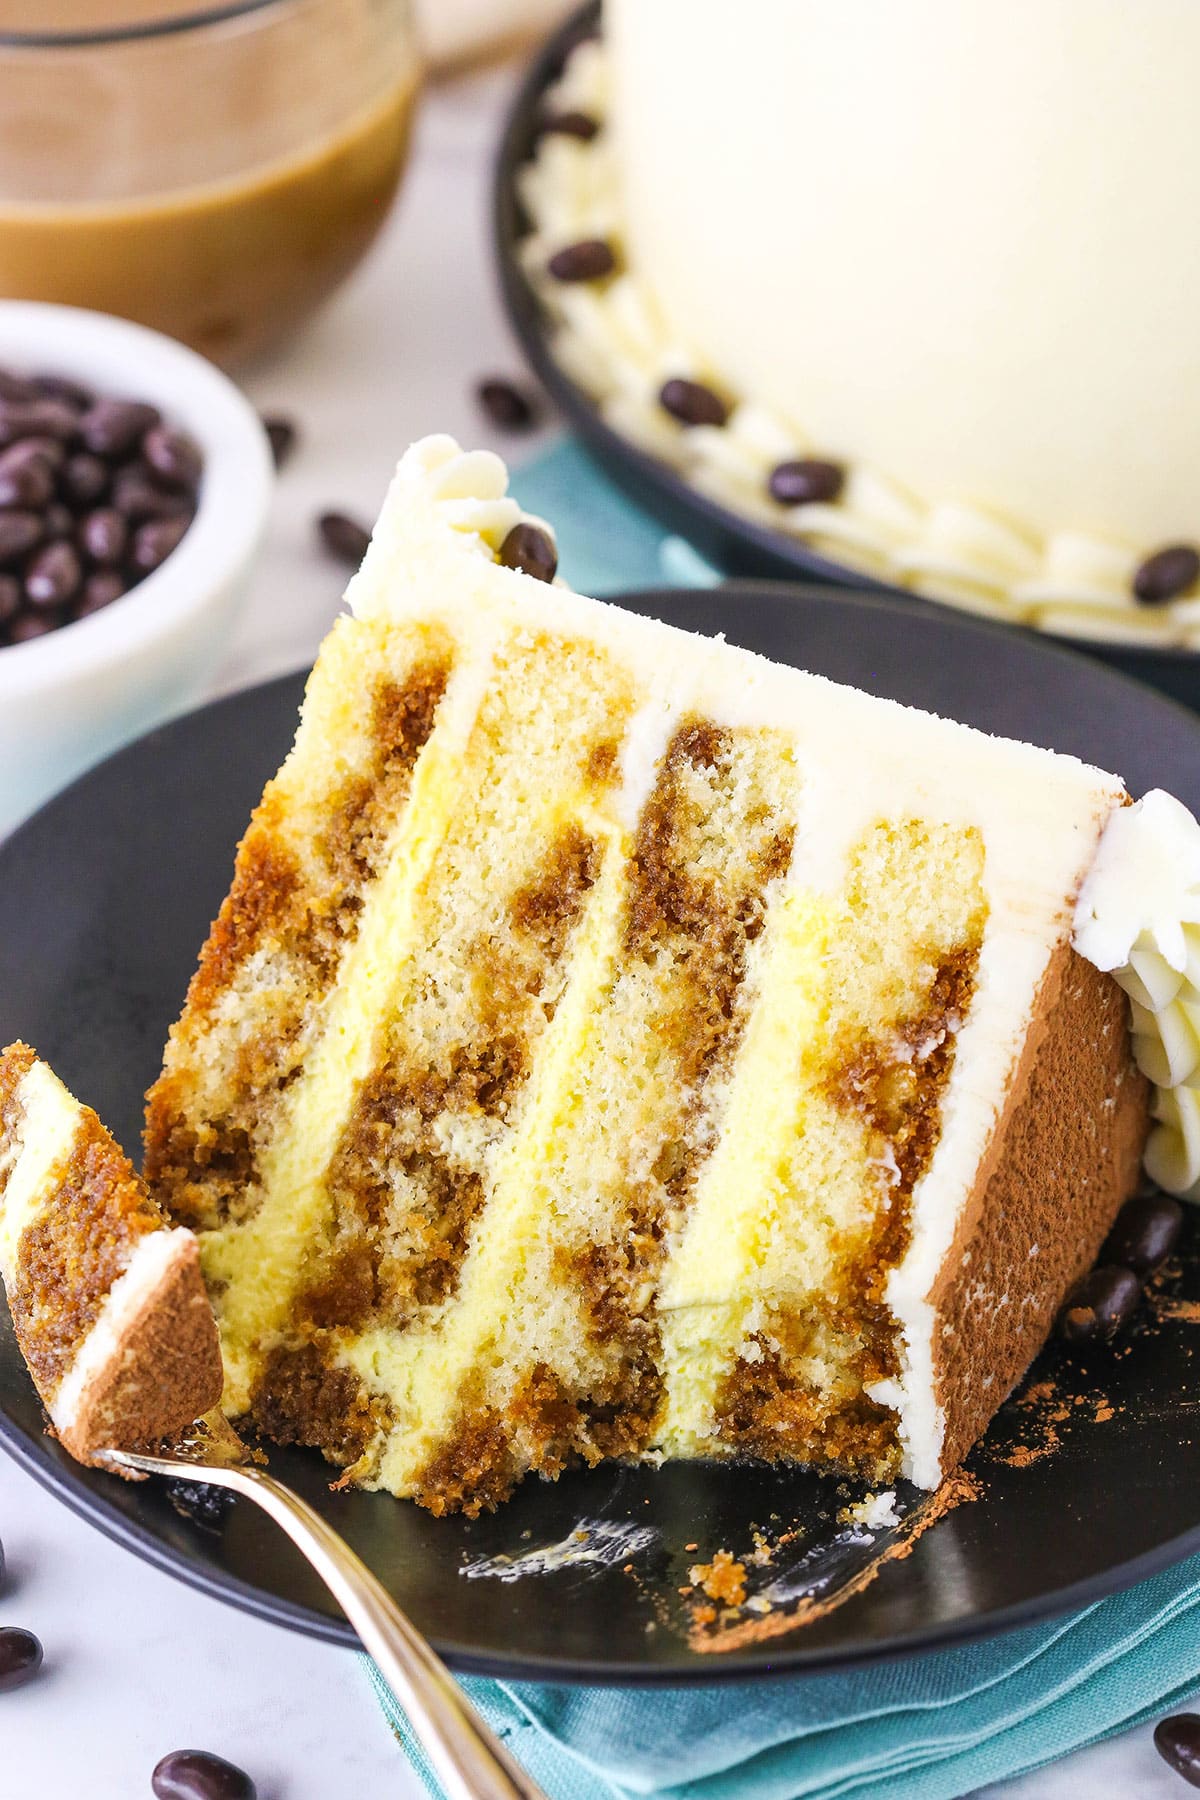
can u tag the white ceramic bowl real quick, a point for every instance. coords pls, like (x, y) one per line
(69, 698)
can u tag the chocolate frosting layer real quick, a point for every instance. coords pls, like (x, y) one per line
(1064, 1158)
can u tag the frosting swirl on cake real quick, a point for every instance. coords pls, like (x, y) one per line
(469, 489)
(611, 338)
(1138, 916)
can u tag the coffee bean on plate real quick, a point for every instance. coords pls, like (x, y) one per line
(53, 575)
(588, 260)
(10, 598)
(282, 436)
(199, 1775)
(58, 521)
(85, 478)
(20, 1657)
(1167, 574)
(115, 427)
(579, 125)
(1145, 1232)
(1177, 1741)
(806, 481)
(19, 532)
(531, 549)
(173, 457)
(100, 589)
(343, 537)
(505, 404)
(154, 542)
(104, 535)
(1099, 1305)
(692, 402)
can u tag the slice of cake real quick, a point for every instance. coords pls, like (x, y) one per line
(614, 1044)
(107, 1300)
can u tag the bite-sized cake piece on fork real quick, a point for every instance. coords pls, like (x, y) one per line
(106, 1297)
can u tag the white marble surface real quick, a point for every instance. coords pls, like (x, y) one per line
(136, 1664)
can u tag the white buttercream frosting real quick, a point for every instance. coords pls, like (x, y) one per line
(1138, 917)
(469, 491)
(614, 339)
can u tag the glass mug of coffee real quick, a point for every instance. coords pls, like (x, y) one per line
(213, 172)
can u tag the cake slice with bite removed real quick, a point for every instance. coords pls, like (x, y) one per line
(106, 1297)
(615, 1044)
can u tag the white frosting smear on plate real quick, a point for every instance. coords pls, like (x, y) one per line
(594, 1543)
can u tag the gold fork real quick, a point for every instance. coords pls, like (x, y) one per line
(469, 1760)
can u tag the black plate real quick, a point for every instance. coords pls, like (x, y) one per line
(733, 542)
(104, 898)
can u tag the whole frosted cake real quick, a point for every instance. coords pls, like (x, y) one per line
(916, 282)
(614, 1044)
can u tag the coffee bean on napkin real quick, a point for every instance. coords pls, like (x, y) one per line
(343, 537)
(508, 407)
(282, 435)
(199, 1775)
(20, 1657)
(1177, 1741)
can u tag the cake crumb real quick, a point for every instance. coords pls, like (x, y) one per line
(768, 1620)
(1188, 1311)
(874, 1511)
(721, 1579)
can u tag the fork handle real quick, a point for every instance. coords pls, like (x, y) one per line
(469, 1760)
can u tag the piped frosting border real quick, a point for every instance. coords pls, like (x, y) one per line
(611, 340)
(1138, 918)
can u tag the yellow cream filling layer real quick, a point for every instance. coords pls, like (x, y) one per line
(424, 1371)
(260, 1262)
(709, 1285)
(800, 1176)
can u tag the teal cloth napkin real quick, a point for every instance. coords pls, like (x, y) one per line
(926, 1728)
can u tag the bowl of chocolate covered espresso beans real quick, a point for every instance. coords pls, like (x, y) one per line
(135, 480)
